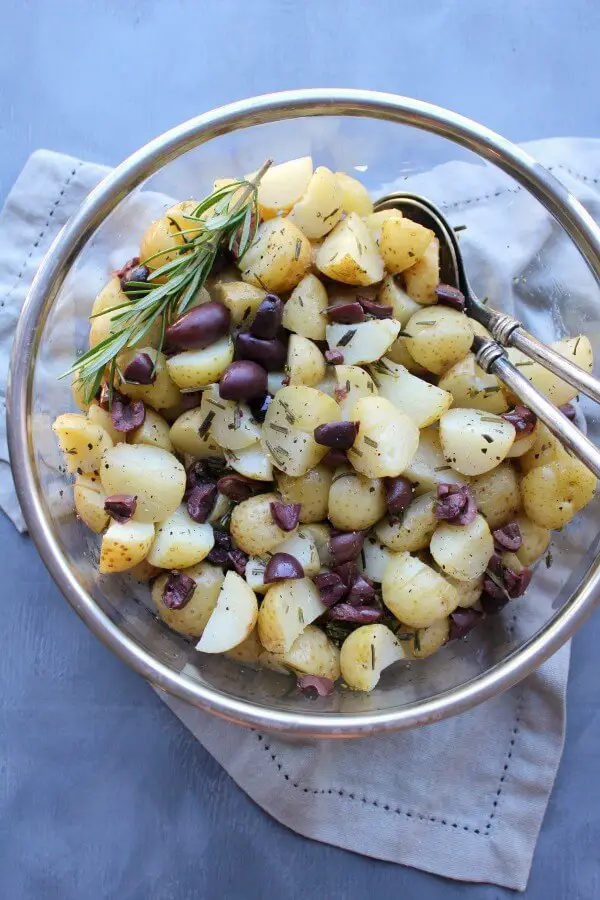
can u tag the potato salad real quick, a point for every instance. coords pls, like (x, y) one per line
(283, 430)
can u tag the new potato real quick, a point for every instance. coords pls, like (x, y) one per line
(191, 619)
(415, 593)
(152, 475)
(310, 490)
(180, 542)
(355, 501)
(439, 337)
(349, 253)
(288, 607)
(387, 439)
(278, 258)
(252, 525)
(303, 312)
(365, 653)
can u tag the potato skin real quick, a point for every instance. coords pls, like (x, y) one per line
(355, 501)
(554, 493)
(311, 491)
(252, 525)
(192, 618)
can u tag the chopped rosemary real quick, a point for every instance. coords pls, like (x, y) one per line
(237, 417)
(417, 643)
(280, 428)
(173, 286)
(458, 228)
(370, 442)
(442, 468)
(346, 338)
(347, 385)
(489, 419)
(549, 559)
(372, 656)
(527, 363)
(215, 403)
(576, 345)
(355, 450)
(488, 438)
(428, 322)
(300, 616)
(203, 430)
(298, 248)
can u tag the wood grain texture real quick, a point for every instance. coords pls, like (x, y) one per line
(103, 793)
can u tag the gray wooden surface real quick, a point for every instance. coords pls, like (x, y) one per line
(103, 794)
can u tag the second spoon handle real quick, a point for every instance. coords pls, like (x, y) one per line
(492, 358)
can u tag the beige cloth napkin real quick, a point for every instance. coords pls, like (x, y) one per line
(463, 798)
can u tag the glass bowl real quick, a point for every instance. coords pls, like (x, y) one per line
(390, 141)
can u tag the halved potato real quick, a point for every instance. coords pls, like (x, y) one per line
(190, 434)
(355, 501)
(153, 431)
(180, 542)
(353, 383)
(191, 619)
(366, 652)
(428, 467)
(312, 653)
(475, 442)
(576, 349)
(283, 185)
(278, 258)
(288, 429)
(241, 299)
(472, 388)
(403, 243)
(151, 474)
(305, 362)
(89, 503)
(232, 619)
(162, 393)
(555, 492)
(303, 312)
(310, 490)
(422, 402)
(393, 294)
(422, 279)
(231, 425)
(387, 439)
(349, 253)
(463, 551)
(364, 342)
(497, 495)
(124, 546)
(252, 525)
(355, 196)
(82, 443)
(194, 369)
(251, 461)
(438, 337)
(288, 607)
(416, 594)
(320, 209)
(413, 530)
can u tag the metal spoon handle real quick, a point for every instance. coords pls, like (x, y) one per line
(491, 357)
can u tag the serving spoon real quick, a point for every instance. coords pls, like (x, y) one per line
(505, 331)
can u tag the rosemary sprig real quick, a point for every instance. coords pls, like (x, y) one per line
(231, 220)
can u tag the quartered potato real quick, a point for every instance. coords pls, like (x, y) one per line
(320, 209)
(283, 186)
(165, 239)
(82, 443)
(463, 551)
(288, 430)
(431, 639)
(194, 369)
(232, 619)
(305, 362)
(349, 253)
(190, 434)
(576, 349)
(312, 653)
(251, 461)
(428, 467)
(102, 417)
(387, 439)
(393, 294)
(497, 495)
(151, 474)
(162, 393)
(252, 525)
(438, 337)
(422, 279)
(366, 653)
(403, 243)
(557, 491)
(413, 530)
(191, 619)
(153, 431)
(472, 388)
(415, 593)
(180, 542)
(364, 342)
(536, 540)
(355, 501)
(475, 442)
(230, 424)
(422, 402)
(278, 257)
(241, 299)
(300, 545)
(89, 503)
(355, 196)
(374, 558)
(353, 383)
(304, 311)
(124, 546)
(310, 490)
(289, 606)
